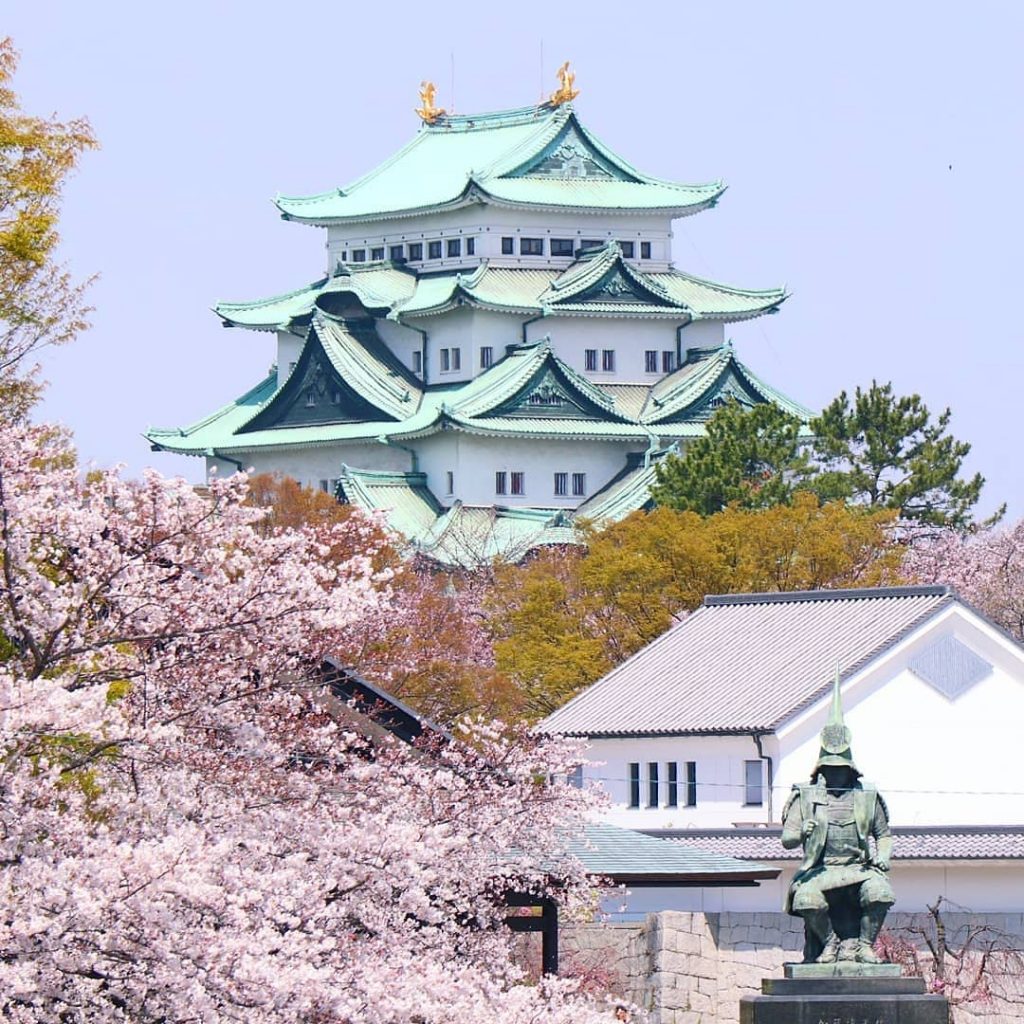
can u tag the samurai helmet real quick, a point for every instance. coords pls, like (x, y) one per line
(835, 737)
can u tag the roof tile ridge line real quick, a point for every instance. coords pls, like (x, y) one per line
(589, 388)
(532, 358)
(851, 593)
(730, 289)
(919, 620)
(192, 428)
(581, 269)
(552, 125)
(528, 112)
(605, 679)
(453, 286)
(441, 525)
(772, 394)
(717, 186)
(711, 367)
(416, 140)
(260, 303)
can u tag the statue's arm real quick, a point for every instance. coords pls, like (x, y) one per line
(883, 837)
(792, 824)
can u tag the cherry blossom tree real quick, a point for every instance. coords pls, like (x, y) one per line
(187, 833)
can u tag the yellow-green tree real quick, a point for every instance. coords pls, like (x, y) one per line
(562, 620)
(40, 304)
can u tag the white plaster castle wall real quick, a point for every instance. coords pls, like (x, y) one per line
(403, 341)
(474, 460)
(469, 222)
(289, 348)
(468, 330)
(937, 761)
(720, 780)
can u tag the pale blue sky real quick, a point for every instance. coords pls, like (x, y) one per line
(873, 151)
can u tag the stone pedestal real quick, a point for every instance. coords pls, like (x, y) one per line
(843, 994)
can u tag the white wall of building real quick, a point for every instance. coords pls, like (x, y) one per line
(489, 224)
(289, 348)
(473, 460)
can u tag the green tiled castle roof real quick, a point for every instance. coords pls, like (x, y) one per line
(541, 157)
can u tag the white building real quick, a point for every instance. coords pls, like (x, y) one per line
(499, 342)
(701, 735)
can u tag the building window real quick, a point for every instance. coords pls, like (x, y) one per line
(310, 398)
(645, 250)
(470, 246)
(562, 246)
(456, 358)
(668, 362)
(508, 246)
(590, 359)
(561, 485)
(531, 246)
(417, 362)
(652, 783)
(454, 246)
(608, 360)
(627, 249)
(591, 243)
(651, 361)
(325, 486)
(446, 360)
(335, 397)
(672, 785)
(486, 356)
(434, 250)
(397, 252)
(415, 252)
(691, 783)
(634, 783)
(579, 484)
(377, 252)
(449, 482)
(753, 789)
(519, 483)
(343, 256)
(501, 482)
(358, 255)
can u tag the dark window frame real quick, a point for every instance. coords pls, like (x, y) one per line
(396, 252)
(590, 360)
(653, 784)
(579, 485)
(471, 246)
(672, 784)
(456, 358)
(650, 360)
(508, 246)
(517, 483)
(358, 255)
(691, 783)
(377, 253)
(645, 250)
(531, 246)
(607, 360)
(634, 783)
(500, 482)
(417, 361)
(628, 248)
(751, 788)
(446, 360)
(486, 357)
(434, 249)
(415, 252)
(562, 246)
(454, 248)
(668, 361)
(561, 485)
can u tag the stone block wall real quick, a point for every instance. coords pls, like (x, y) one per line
(693, 968)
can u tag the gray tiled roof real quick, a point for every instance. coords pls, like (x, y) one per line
(931, 842)
(628, 856)
(746, 662)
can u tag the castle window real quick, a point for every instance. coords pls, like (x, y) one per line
(486, 356)
(652, 783)
(325, 486)
(548, 399)
(446, 360)
(335, 397)
(415, 252)
(672, 785)
(454, 246)
(608, 360)
(449, 482)
(562, 246)
(591, 243)
(456, 358)
(668, 362)
(691, 783)
(434, 250)
(501, 482)
(590, 359)
(508, 246)
(531, 246)
(650, 361)
(358, 255)
(417, 361)
(645, 250)
(377, 252)
(310, 398)
(561, 485)
(470, 246)
(397, 252)
(634, 783)
(579, 484)
(753, 788)
(518, 483)
(627, 249)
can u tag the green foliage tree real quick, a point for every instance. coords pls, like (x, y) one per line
(754, 458)
(562, 620)
(40, 304)
(885, 451)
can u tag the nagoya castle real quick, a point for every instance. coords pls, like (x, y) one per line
(501, 343)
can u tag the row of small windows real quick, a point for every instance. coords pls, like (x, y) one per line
(454, 248)
(413, 252)
(668, 361)
(514, 483)
(451, 359)
(607, 359)
(664, 791)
